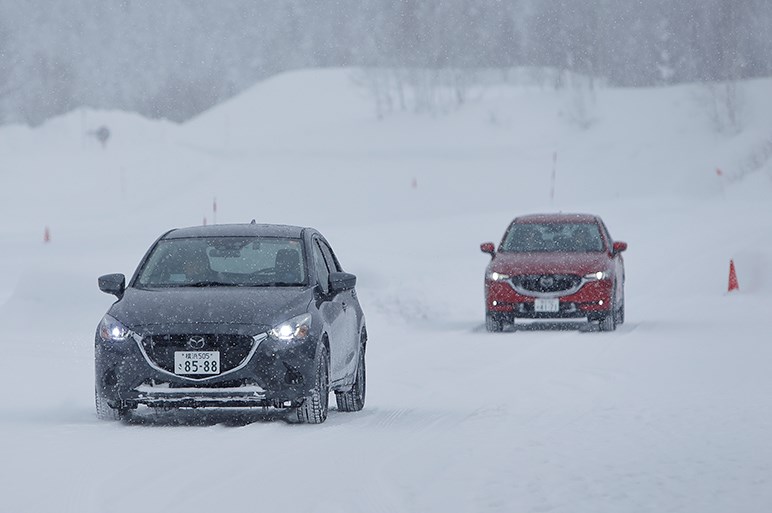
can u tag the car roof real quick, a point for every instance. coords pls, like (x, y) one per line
(556, 218)
(237, 230)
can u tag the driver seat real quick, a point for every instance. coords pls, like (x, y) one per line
(287, 266)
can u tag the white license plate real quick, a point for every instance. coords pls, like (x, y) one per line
(546, 305)
(197, 362)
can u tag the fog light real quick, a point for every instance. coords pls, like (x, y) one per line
(495, 303)
(292, 376)
(600, 302)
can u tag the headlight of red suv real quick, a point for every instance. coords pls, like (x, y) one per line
(494, 276)
(597, 276)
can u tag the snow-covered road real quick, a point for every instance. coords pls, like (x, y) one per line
(670, 413)
(662, 415)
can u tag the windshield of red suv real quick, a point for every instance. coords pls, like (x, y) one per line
(224, 261)
(553, 237)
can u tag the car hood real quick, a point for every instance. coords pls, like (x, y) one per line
(550, 263)
(264, 306)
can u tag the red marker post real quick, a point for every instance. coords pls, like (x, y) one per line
(554, 176)
(733, 283)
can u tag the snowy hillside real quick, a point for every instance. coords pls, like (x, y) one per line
(669, 413)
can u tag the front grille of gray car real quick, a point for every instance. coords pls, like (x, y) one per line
(234, 349)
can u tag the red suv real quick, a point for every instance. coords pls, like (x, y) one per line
(555, 266)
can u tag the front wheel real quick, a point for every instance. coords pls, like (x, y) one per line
(607, 323)
(493, 323)
(106, 412)
(315, 405)
(354, 399)
(620, 314)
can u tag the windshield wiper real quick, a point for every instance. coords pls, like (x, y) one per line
(201, 284)
(211, 284)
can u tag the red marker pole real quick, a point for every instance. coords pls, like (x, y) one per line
(47, 235)
(554, 176)
(214, 211)
(720, 176)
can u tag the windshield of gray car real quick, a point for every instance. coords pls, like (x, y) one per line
(224, 262)
(553, 237)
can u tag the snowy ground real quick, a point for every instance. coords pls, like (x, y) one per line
(671, 413)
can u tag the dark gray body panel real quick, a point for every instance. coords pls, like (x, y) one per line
(275, 373)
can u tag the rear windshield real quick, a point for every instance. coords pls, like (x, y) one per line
(553, 237)
(224, 261)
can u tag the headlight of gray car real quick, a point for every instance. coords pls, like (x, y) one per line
(296, 328)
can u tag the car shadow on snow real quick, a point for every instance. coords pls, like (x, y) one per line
(582, 327)
(205, 417)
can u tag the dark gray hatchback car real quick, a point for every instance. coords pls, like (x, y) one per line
(247, 315)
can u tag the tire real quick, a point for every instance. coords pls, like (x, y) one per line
(354, 399)
(620, 315)
(493, 324)
(106, 412)
(316, 404)
(607, 323)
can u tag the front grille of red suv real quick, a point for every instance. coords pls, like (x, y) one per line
(547, 283)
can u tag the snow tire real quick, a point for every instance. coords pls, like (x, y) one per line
(607, 323)
(106, 412)
(620, 315)
(492, 324)
(315, 405)
(354, 399)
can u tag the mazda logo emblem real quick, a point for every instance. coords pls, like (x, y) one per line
(196, 342)
(546, 281)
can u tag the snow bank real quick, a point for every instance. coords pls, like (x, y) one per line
(667, 414)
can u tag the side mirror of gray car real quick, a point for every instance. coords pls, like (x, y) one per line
(341, 282)
(114, 284)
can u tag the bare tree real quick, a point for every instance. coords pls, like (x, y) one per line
(724, 94)
(6, 70)
(141, 54)
(723, 103)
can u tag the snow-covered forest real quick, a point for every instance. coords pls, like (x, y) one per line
(173, 59)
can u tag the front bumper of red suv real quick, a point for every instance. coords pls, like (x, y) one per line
(589, 300)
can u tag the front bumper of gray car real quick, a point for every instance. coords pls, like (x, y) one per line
(272, 373)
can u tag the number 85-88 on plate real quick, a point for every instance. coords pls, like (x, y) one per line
(197, 362)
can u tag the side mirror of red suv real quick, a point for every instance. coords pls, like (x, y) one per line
(488, 247)
(618, 247)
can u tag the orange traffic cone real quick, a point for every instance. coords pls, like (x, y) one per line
(733, 285)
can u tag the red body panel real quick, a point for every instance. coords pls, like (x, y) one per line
(587, 298)
(593, 297)
(550, 263)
